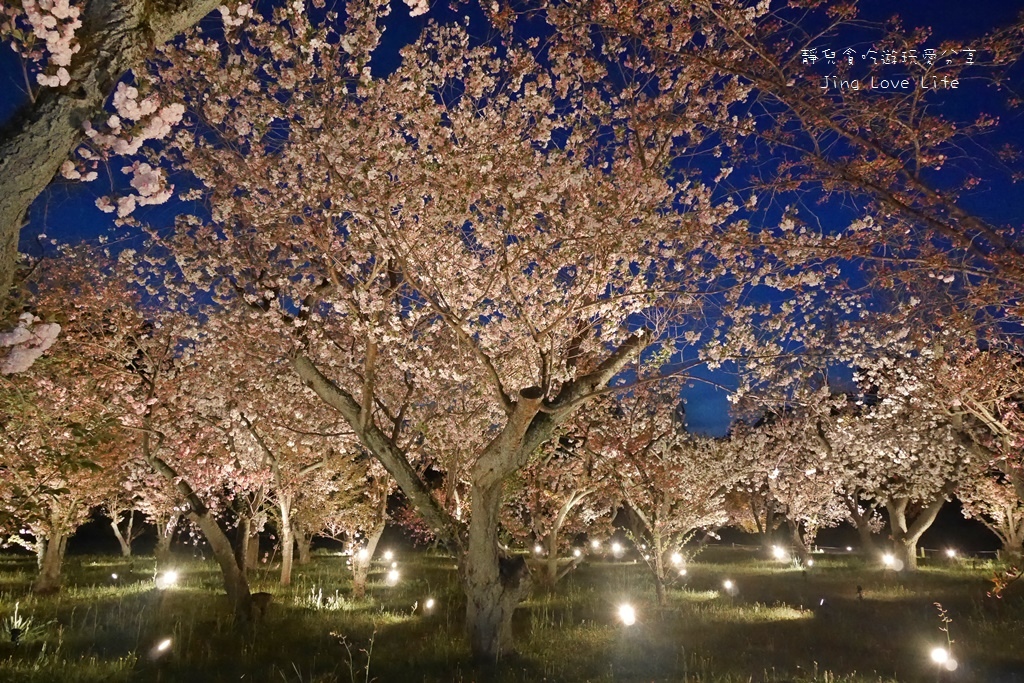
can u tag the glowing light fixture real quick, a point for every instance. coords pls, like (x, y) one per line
(429, 604)
(164, 645)
(595, 544)
(616, 549)
(393, 577)
(627, 615)
(388, 556)
(677, 559)
(167, 579)
(950, 553)
(577, 552)
(778, 553)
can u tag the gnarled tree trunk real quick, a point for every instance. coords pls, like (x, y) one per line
(303, 542)
(493, 583)
(906, 533)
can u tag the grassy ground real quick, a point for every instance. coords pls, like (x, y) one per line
(774, 628)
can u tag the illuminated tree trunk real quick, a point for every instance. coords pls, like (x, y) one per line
(49, 578)
(236, 585)
(123, 538)
(906, 533)
(287, 538)
(493, 583)
(798, 541)
(164, 535)
(361, 561)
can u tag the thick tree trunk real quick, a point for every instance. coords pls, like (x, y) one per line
(115, 36)
(164, 536)
(868, 547)
(798, 541)
(361, 562)
(235, 582)
(287, 539)
(906, 534)
(49, 578)
(659, 573)
(494, 584)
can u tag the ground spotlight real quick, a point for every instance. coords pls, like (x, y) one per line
(429, 604)
(388, 556)
(627, 615)
(392, 577)
(677, 559)
(167, 579)
(778, 553)
(577, 552)
(616, 549)
(950, 553)
(595, 544)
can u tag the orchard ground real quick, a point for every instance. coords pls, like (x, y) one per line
(779, 624)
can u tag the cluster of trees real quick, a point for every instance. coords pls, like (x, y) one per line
(482, 276)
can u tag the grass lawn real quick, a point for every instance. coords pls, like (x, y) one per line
(779, 625)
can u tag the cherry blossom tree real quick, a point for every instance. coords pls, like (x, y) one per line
(563, 492)
(74, 55)
(673, 483)
(427, 242)
(992, 500)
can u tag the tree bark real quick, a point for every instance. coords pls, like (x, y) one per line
(798, 541)
(287, 538)
(164, 536)
(303, 541)
(361, 564)
(49, 578)
(236, 585)
(493, 583)
(116, 35)
(906, 534)
(124, 539)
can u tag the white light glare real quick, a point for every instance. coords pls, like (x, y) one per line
(388, 556)
(114, 577)
(577, 552)
(729, 585)
(362, 554)
(940, 655)
(429, 604)
(392, 577)
(778, 553)
(810, 563)
(849, 549)
(164, 645)
(627, 615)
(595, 544)
(616, 548)
(677, 559)
(682, 572)
(167, 579)
(888, 560)
(950, 553)
(394, 565)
